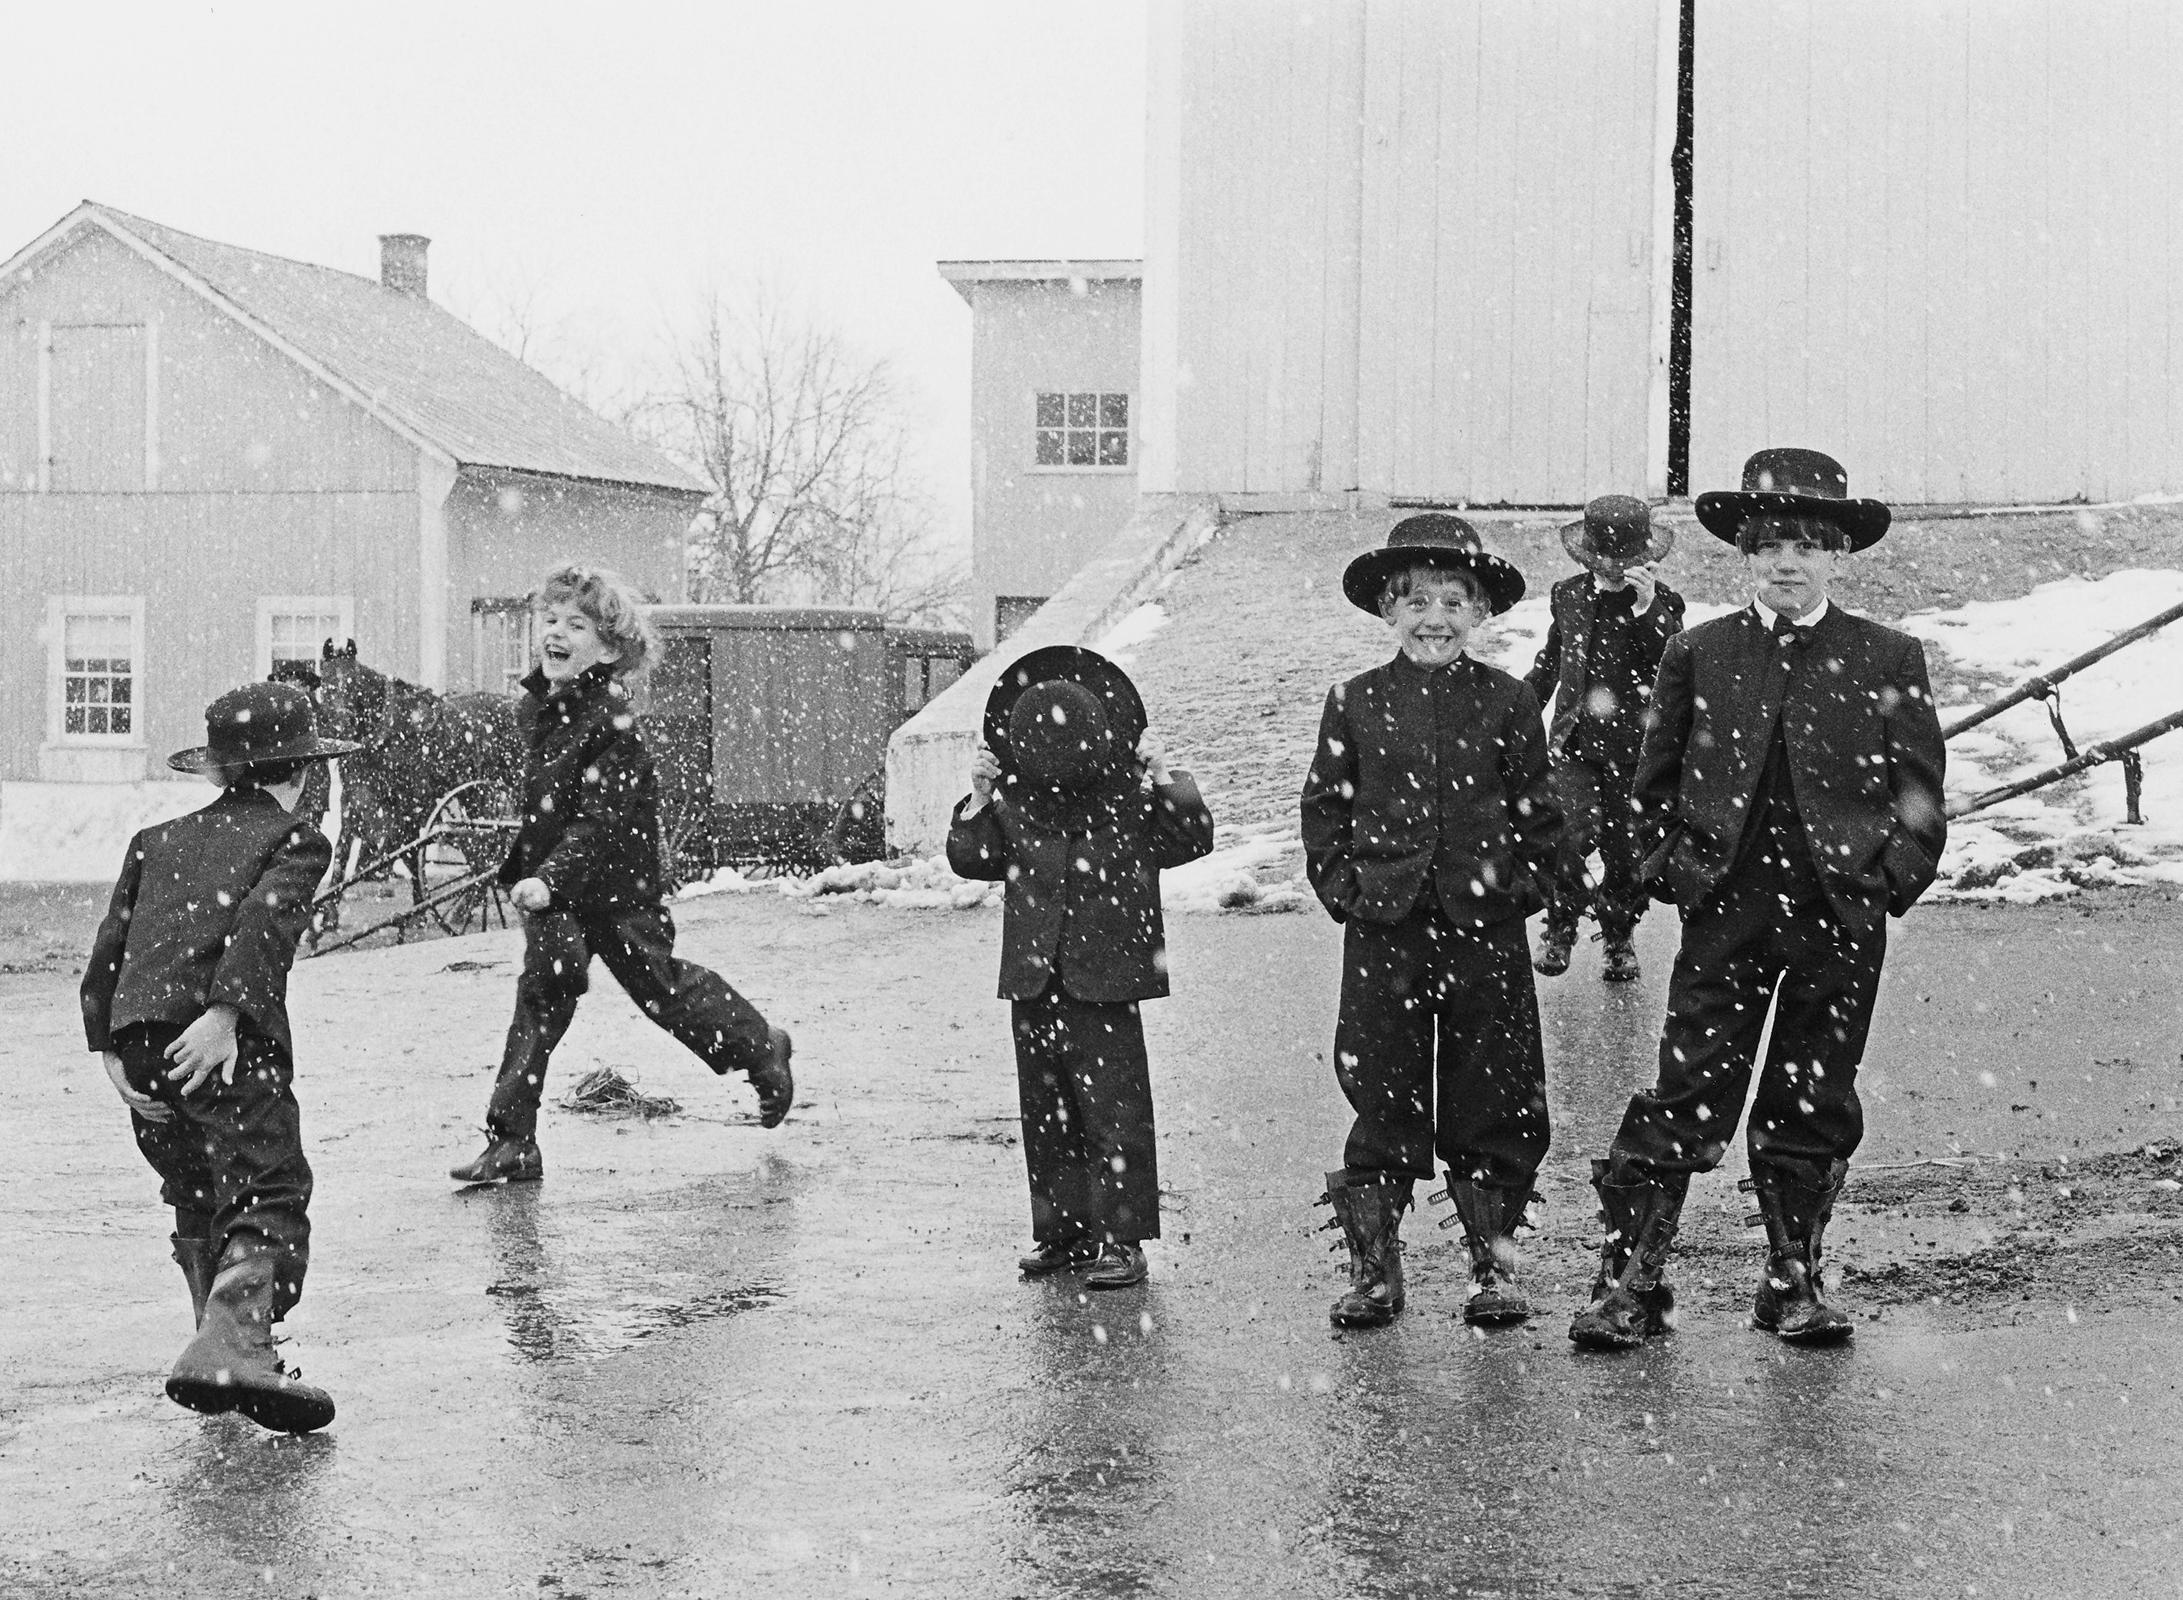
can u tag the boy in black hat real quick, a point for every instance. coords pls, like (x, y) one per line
(1073, 805)
(585, 872)
(1610, 623)
(1428, 825)
(1790, 786)
(185, 996)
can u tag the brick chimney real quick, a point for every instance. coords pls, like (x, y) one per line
(401, 262)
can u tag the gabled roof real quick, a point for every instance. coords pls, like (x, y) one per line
(421, 370)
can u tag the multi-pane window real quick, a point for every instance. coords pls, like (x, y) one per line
(1082, 430)
(301, 635)
(503, 642)
(98, 675)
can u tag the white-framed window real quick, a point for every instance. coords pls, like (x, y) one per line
(1080, 431)
(295, 627)
(95, 670)
(503, 642)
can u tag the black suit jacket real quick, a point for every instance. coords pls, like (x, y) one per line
(207, 911)
(1112, 943)
(1562, 668)
(1408, 755)
(590, 825)
(1864, 750)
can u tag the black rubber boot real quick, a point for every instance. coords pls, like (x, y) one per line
(776, 1085)
(231, 1365)
(1368, 1208)
(1489, 1217)
(1620, 964)
(193, 1254)
(1631, 1300)
(1554, 947)
(502, 1161)
(1790, 1300)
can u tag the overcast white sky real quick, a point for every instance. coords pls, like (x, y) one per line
(609, 158)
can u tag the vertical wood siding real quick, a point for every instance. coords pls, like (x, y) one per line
(1413, 252)
(268, 484)
(1938, 241)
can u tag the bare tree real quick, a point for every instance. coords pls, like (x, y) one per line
(798, 437)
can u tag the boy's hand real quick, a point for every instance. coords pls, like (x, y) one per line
(1153, 753)
(531, 895)
(1645, 580)
(142, 1104)
(205, 1047)
(985, 771)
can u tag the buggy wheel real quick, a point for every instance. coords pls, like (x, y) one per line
(858, 831)
(468, 835)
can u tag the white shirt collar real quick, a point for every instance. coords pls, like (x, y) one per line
(1766, 613)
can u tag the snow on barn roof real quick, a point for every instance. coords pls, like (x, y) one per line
(420, 369)
(963, 274)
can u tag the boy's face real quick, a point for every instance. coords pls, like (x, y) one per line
(1790, 565)
(1434, 620)
(568, 642)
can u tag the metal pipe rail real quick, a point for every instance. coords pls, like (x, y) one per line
(2042, 685)
(2090, 756)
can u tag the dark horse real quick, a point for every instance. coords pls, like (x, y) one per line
(418, 747)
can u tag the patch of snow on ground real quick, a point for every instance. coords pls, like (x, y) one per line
(1122, 641)
(78, 832)
(1258, 867)
(2056, 840)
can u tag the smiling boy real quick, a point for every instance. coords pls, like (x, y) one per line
(1428, 826)
(585, 872)
(1790, 788)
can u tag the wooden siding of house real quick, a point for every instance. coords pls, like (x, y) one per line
(1939, 241)
(268, 483)
(1412, 248)
(505, 530)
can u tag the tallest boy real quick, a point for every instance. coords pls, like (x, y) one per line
(1790, 787)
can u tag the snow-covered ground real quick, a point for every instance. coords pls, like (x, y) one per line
(2055, 840)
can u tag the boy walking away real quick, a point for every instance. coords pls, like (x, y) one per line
(1602, 648)
(1073, 806)
(185, 997)
(1791, 783)
(1428, 826)
(585, 872)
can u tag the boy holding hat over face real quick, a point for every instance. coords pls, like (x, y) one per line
(186, 998)
(1074, 807)
(1610, 623)
(1429, 825)
(1790, 788)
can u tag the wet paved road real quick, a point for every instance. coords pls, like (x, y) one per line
(702, 1359)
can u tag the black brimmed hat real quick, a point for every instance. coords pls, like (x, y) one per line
(1063, 717)
(1793, 483)
(260, 724)
(1616, 534)
(1431, 539)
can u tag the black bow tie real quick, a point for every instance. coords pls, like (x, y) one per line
(1789, 633)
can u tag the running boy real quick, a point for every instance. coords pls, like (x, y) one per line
(1428, 827)
(1072, 803)
(585, 871)
(187, 983)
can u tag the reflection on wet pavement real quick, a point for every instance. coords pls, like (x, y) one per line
(577, 1302)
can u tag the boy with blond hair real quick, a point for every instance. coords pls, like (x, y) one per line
(585, 872)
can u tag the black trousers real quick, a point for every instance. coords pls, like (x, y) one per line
(1596, 815)
(691, 1002)
(230, 1162)
(1736, 948)
(1085, 1090)
(1437, 1047)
